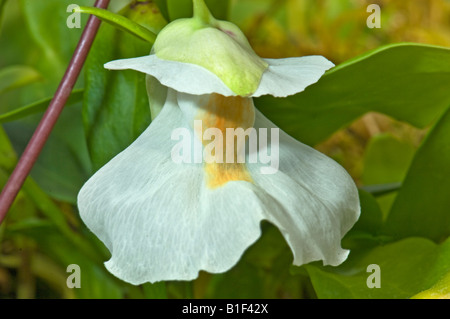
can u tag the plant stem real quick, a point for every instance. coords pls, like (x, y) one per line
(50, 117)
(120, 22)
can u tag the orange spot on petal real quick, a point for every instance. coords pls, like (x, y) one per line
(221, 113)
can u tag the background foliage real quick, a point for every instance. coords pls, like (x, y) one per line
(383, 113)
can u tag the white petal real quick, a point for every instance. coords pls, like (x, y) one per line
(161, 222)
(158, 219)
(291, 75)
(182, 77)
(319, 199)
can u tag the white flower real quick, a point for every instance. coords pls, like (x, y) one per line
(163, 220)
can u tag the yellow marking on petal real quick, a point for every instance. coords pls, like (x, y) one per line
(222, 112)
(218, 174)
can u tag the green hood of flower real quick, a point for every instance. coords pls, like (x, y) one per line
(218, 46)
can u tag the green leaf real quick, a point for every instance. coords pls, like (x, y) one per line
(422, 207)
(8, 157)
(63, 165)
(371, 219)
(366, 231)
(264, 271)
(247, 279)
(155, 291)
(219, 8)
(406, 81)
(382, 189)
(16, 76)
(244, 10)
(441, 290)
(47, 26)
(45, 43)
(2, 6)
(406, 268)
(116, 107)
(386, 162)
(178, 9)
(38, 106)
(120, 22)
(162, 6)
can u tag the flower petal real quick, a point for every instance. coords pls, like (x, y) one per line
(291, 75)
(182, 77)
(319, 200)
(158, 218)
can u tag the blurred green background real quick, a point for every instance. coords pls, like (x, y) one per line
(387, 143)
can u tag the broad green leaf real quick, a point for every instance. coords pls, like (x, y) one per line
(12, 20)
(47, 25)
(247, 282)
(39, 106)
(63, 165)
(406, 268)
(406, 81)
(422, 207)
(116, 107)
(16, 76)
(366, 232)
(370, 220)
(386, 161)
(162, 5)
(47, 44)
(38, 33)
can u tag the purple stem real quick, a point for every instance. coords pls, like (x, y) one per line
(50, 117)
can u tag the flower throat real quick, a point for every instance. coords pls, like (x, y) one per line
(222, 112)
